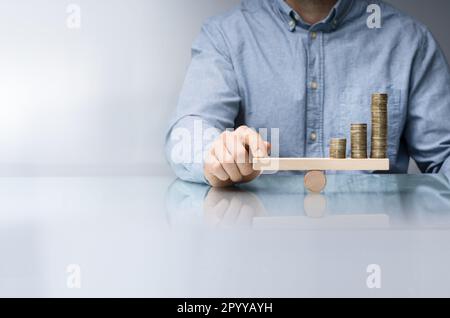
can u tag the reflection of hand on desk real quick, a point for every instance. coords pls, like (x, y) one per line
(231, 207)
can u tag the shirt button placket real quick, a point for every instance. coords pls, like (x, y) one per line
(314, 100)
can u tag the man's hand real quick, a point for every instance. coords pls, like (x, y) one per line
(229, 160)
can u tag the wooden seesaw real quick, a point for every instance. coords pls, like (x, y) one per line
(315, 178)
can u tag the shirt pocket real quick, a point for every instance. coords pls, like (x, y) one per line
(355, 108)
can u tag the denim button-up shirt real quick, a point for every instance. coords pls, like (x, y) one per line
(260, 65)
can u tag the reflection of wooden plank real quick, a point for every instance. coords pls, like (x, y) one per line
(335, 222)
(323, 164)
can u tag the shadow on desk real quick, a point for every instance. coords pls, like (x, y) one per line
(359, 202)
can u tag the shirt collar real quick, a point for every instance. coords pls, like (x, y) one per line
(330, 23)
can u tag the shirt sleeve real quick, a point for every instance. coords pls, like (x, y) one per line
(427, 130)
(208, 105)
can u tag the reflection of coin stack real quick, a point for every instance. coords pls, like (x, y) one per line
(379, 126)
(338, 148)
(359, 141)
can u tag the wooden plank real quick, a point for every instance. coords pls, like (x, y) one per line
(322, 164)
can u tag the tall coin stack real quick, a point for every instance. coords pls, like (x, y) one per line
(359, 141)
(338, 148)
(379, 126)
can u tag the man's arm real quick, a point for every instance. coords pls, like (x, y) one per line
(197, 146)
(427, 130)
(209, 100)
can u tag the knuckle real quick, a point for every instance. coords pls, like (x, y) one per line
(237, 178)
(219, 147)
(222, 138)
(217, 144)
(228, 159)
(227, 134)
(242, 129)
(220, 177)
(216, 167)
(241, 156)
(247, 171)
(208, 166)
(242, 153)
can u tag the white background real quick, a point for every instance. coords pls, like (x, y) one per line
(94, 100)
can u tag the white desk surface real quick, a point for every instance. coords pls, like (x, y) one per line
(157, 237)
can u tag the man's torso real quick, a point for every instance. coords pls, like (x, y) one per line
(313, 84)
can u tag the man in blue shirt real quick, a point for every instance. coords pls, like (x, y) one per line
(299, 72)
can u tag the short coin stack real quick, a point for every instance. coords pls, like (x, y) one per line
(379, 126)
(359, 141)
(338, 148)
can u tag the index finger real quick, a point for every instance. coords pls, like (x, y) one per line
(258, 147)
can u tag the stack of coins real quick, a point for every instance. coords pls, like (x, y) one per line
(379, 126)
(359, 141)
(338, 148)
